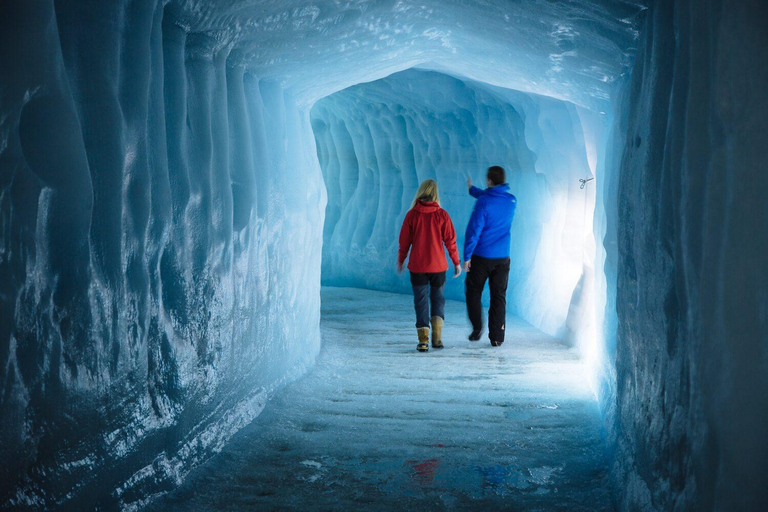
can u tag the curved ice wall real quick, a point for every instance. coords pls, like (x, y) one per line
(377, 141)
(152, 294)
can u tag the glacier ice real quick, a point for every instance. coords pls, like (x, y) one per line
(153, 294)
(162, 211)
(691, 255)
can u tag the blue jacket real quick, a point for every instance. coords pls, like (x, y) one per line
(488, 231)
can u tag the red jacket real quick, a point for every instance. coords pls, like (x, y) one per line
(427, 227)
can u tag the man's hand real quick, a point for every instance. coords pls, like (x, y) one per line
(456, 271)
(469, 183)
(399, 267)
(467, 265)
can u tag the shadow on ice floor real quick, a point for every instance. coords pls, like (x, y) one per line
(378, 426)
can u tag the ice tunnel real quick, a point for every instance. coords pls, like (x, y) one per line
(178, 179)
(377, 141)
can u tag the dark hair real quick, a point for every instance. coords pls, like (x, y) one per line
(497, 175)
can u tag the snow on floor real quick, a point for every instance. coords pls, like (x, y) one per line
(378, 426)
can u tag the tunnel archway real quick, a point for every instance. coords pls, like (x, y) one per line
(378, 140)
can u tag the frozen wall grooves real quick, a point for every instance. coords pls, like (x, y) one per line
(242, 174)
(140, 307)
(377, 141)
(691, 299)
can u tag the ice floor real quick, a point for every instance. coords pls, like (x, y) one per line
(378, 426)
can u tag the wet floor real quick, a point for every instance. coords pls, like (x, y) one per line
(378, 426)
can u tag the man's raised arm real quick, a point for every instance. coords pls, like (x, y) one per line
(474, 191)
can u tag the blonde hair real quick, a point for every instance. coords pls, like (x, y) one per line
(427, 192)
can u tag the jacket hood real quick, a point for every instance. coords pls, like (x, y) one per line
(426, 206)
(498, 190)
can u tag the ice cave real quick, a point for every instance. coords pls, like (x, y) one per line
(200, 204)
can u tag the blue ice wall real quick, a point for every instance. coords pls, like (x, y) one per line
(151, 292)
(691, 356)
(377, 141)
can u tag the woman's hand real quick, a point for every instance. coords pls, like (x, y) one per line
(399, 268)
(467, 265)
(456, 271)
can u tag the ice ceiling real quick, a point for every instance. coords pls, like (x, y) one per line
(568, 50)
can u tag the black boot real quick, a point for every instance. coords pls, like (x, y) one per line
(475, 336)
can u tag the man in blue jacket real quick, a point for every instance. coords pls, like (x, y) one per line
(486, 253)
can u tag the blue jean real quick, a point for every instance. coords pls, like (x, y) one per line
(428, 290)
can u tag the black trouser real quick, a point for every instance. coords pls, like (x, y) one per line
(428, 288)
(496, 271)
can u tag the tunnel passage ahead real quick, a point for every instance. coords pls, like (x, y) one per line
(377, 141)
(378, 426)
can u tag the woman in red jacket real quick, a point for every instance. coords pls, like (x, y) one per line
(425, 229)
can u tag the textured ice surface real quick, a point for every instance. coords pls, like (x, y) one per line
(378, 426)
(692, 281)
(152, 294)
(377, 141)
(569, 50)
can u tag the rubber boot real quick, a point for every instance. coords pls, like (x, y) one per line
(437, 332)
(423, 345)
